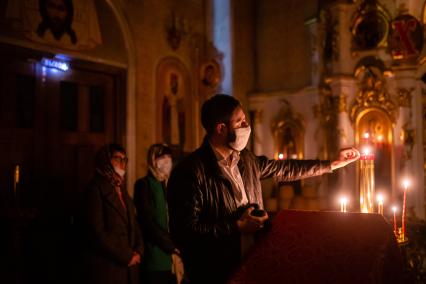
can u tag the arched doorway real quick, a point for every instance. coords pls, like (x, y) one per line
(373, 129)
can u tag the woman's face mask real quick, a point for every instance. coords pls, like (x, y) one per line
(164, 164)
(239, 137)
(119, 171)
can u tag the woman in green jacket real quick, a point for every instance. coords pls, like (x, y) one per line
(161, 263)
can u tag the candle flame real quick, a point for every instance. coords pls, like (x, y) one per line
(406, 183)
(366, 135)
(394, 209)
(280, 156)
(379, 198)
(366, 151)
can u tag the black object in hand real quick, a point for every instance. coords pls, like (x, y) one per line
(258, 213)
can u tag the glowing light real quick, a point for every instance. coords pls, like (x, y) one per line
(281, 156)
(343, 204)
(366, 135)
(380, 138)
(380, 201)
(394, 220)
(406, 183)
(56, 64)
(366, 151)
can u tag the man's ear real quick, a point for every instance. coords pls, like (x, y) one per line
(220, 128)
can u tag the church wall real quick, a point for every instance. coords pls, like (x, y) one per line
(244, 53)
(148, 21)
(282, 47)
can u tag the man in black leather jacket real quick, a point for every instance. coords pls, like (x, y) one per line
(209, 192)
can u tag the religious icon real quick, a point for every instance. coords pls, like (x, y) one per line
(56, 19)
(405, 39)
(173, 111)
(210, 74)
(370, 26)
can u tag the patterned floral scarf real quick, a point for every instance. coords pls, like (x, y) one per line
(154, 152)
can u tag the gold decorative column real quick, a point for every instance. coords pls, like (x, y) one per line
(366, 183)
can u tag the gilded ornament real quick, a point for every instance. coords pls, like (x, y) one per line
(372, 92)
(342, 103)
(370, 26)
(408, 135)
(288, 132)
(404, 97)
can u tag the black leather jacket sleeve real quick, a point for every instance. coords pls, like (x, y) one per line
(290, 170)
(187, 195)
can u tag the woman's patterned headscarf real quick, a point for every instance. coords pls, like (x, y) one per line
(154, 152)
(103, 164)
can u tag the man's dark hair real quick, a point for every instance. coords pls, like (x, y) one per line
(217, 109)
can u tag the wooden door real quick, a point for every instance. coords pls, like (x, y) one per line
(51, 124)
(82, 115)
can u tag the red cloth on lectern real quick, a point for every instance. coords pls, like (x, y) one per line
(324, 247)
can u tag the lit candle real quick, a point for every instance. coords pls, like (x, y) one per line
(281, 156)
(343, 203)
(394, 220)
(380, 201)
(366, 135)
(405, 183)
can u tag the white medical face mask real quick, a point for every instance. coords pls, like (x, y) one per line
(119, 171)
(242, 136)
(164, 165)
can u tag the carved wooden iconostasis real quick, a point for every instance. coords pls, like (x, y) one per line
(367, 60)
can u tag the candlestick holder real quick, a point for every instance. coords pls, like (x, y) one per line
(366, 182)
(400, 237)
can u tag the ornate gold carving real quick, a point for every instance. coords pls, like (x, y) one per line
(328, 41)
(404, 97)
(342, 103)
(326, 113)
(372, 93)
(370, 26)
(288, 132)
(408, 135)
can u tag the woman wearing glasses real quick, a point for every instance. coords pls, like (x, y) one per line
(114, 243)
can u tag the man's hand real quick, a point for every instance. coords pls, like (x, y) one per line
(249, 224)
(136, 259)
(346, 156)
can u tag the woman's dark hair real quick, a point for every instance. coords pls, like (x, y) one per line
(217, 109)
(158, 150)
(113, 147)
